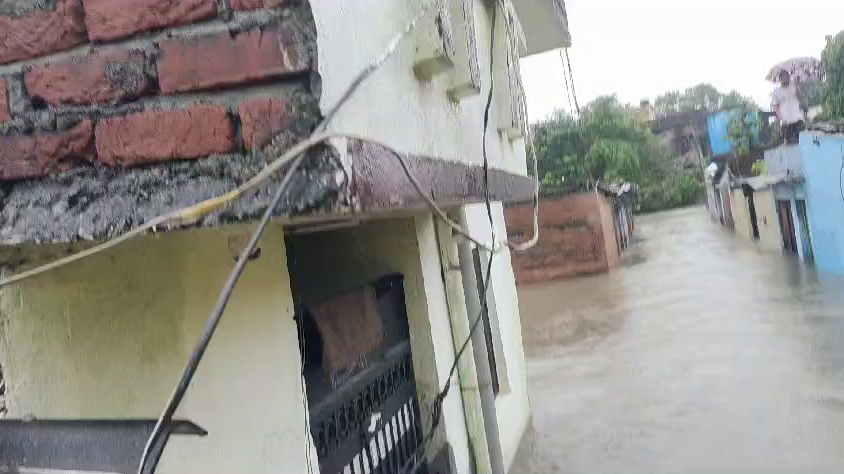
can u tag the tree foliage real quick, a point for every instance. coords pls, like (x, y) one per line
(607, 144)
(743, 129)
(700, 97)
(832, 60)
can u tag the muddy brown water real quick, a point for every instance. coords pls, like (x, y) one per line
(701, 354)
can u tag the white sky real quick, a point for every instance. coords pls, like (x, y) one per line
(641, 48)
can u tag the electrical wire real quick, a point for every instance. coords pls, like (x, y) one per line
(154, 446)
(152, 458)
(571, 76)
(295, 154)
(566, 77)
(436, 405)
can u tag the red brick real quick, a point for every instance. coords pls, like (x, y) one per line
(42, 32)
(575, 237)
(215, 61)
(102, 78)
(255, 4)
(4, 102)
(151, 137)
(262, 119)
(112, 19)
(29, 156)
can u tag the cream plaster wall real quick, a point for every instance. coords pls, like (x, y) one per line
(512, 405)
(741, 214)
(107, 338)
(766, 218)
(766, 214)
(393, 106)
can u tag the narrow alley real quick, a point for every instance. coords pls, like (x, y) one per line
(701, 354)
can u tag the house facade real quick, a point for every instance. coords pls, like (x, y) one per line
(113, 112)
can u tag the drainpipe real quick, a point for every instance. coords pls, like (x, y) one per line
(471, 289)
(467, 375)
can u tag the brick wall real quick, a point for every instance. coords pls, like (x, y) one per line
(574, 237)
(123, 83)
(114, 111)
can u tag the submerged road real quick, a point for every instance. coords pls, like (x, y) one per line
(701, 354)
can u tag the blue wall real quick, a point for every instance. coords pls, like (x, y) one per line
(718, 126)
(822, 159)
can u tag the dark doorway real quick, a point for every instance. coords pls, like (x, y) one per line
(751, 206)
(803, 218)
(789, 240)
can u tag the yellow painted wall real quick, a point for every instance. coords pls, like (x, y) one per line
(766, 218)
(766, 214)
(741, 214)
(107, 338)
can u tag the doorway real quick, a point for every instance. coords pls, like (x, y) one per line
(789, 238)
(751, 207)
(803, 221)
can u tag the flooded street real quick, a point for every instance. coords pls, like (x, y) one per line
(701, 354)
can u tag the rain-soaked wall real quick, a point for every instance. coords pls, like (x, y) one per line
(823, 161)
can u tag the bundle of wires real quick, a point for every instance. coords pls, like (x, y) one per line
(291, 160)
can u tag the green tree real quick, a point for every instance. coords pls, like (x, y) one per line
(832, 60)
(700, 97)
(607, 144)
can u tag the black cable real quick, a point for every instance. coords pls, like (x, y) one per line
(152, 450)
(841, 179)
(436, 405)
(566, 77)
(573, 91)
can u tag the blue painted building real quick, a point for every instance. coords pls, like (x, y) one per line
(823, 159)
(784, 168)
(718, 125)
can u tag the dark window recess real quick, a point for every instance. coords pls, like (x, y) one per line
(365, 419)
(3, 409)
(490, 348)
(789, 240)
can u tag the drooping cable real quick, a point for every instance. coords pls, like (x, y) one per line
(571, 78)
(152, 451)
(569, 101)
(437, 404)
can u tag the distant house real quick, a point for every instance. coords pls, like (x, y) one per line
(687, 135)
(580, 233)
(769, 210)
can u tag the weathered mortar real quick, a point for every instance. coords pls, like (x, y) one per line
(98, 202)
(92, 202)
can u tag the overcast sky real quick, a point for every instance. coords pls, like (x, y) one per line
(641, 48)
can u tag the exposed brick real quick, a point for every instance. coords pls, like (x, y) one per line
(157, 136)
(28, 156)
(574, 237)
(102, 78)
(261, 119)
(112, 19)
(4, 102)
(219, 60)
(42, 31)
(255, 4)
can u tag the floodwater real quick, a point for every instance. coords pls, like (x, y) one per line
(701, 354)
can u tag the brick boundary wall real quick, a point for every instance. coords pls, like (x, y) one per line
(122, 83)
(573, 238)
